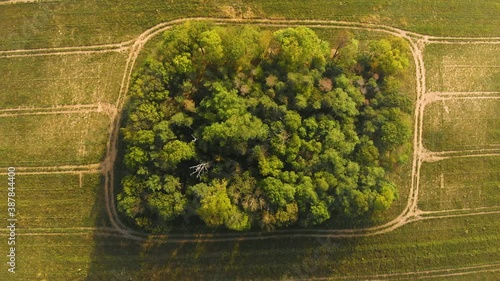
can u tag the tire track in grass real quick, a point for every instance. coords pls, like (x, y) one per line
(432, 156)
(10, 2)
(422, 215)
(104, 108)
(111, 155)
(63, 169)
(417, 43)
(83, 50)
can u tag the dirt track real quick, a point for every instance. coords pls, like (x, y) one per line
(417, 43)
(411, 213)
(146, 36)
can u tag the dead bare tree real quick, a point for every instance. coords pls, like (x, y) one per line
(200, 169)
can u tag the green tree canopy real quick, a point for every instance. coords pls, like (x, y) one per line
(246, 128)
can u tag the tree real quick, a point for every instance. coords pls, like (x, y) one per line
(174, 152)
(301, 48)
(387, 59)
(216, 208)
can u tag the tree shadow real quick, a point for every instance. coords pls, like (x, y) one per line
(280, 257)
(264, 259)
(270, 256)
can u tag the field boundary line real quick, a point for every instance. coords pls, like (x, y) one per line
(104, 108)
(82, 50)
(62, 169)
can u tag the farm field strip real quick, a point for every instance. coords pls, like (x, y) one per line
(460, 186)
(426, 246)
(57, 201)
(462, 123)
(463, 68)
(41, 140)
(76, 79)
(409, 215)
(154, 31)
(412, 214)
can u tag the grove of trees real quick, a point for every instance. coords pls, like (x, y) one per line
(246, 128)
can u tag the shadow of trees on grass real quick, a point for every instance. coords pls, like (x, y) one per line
(118, 258)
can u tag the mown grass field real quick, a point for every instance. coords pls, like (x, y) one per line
(58, 200)
(462, 124)
(462, 68)
(57, 211)
(458, 183)
(44, 81)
